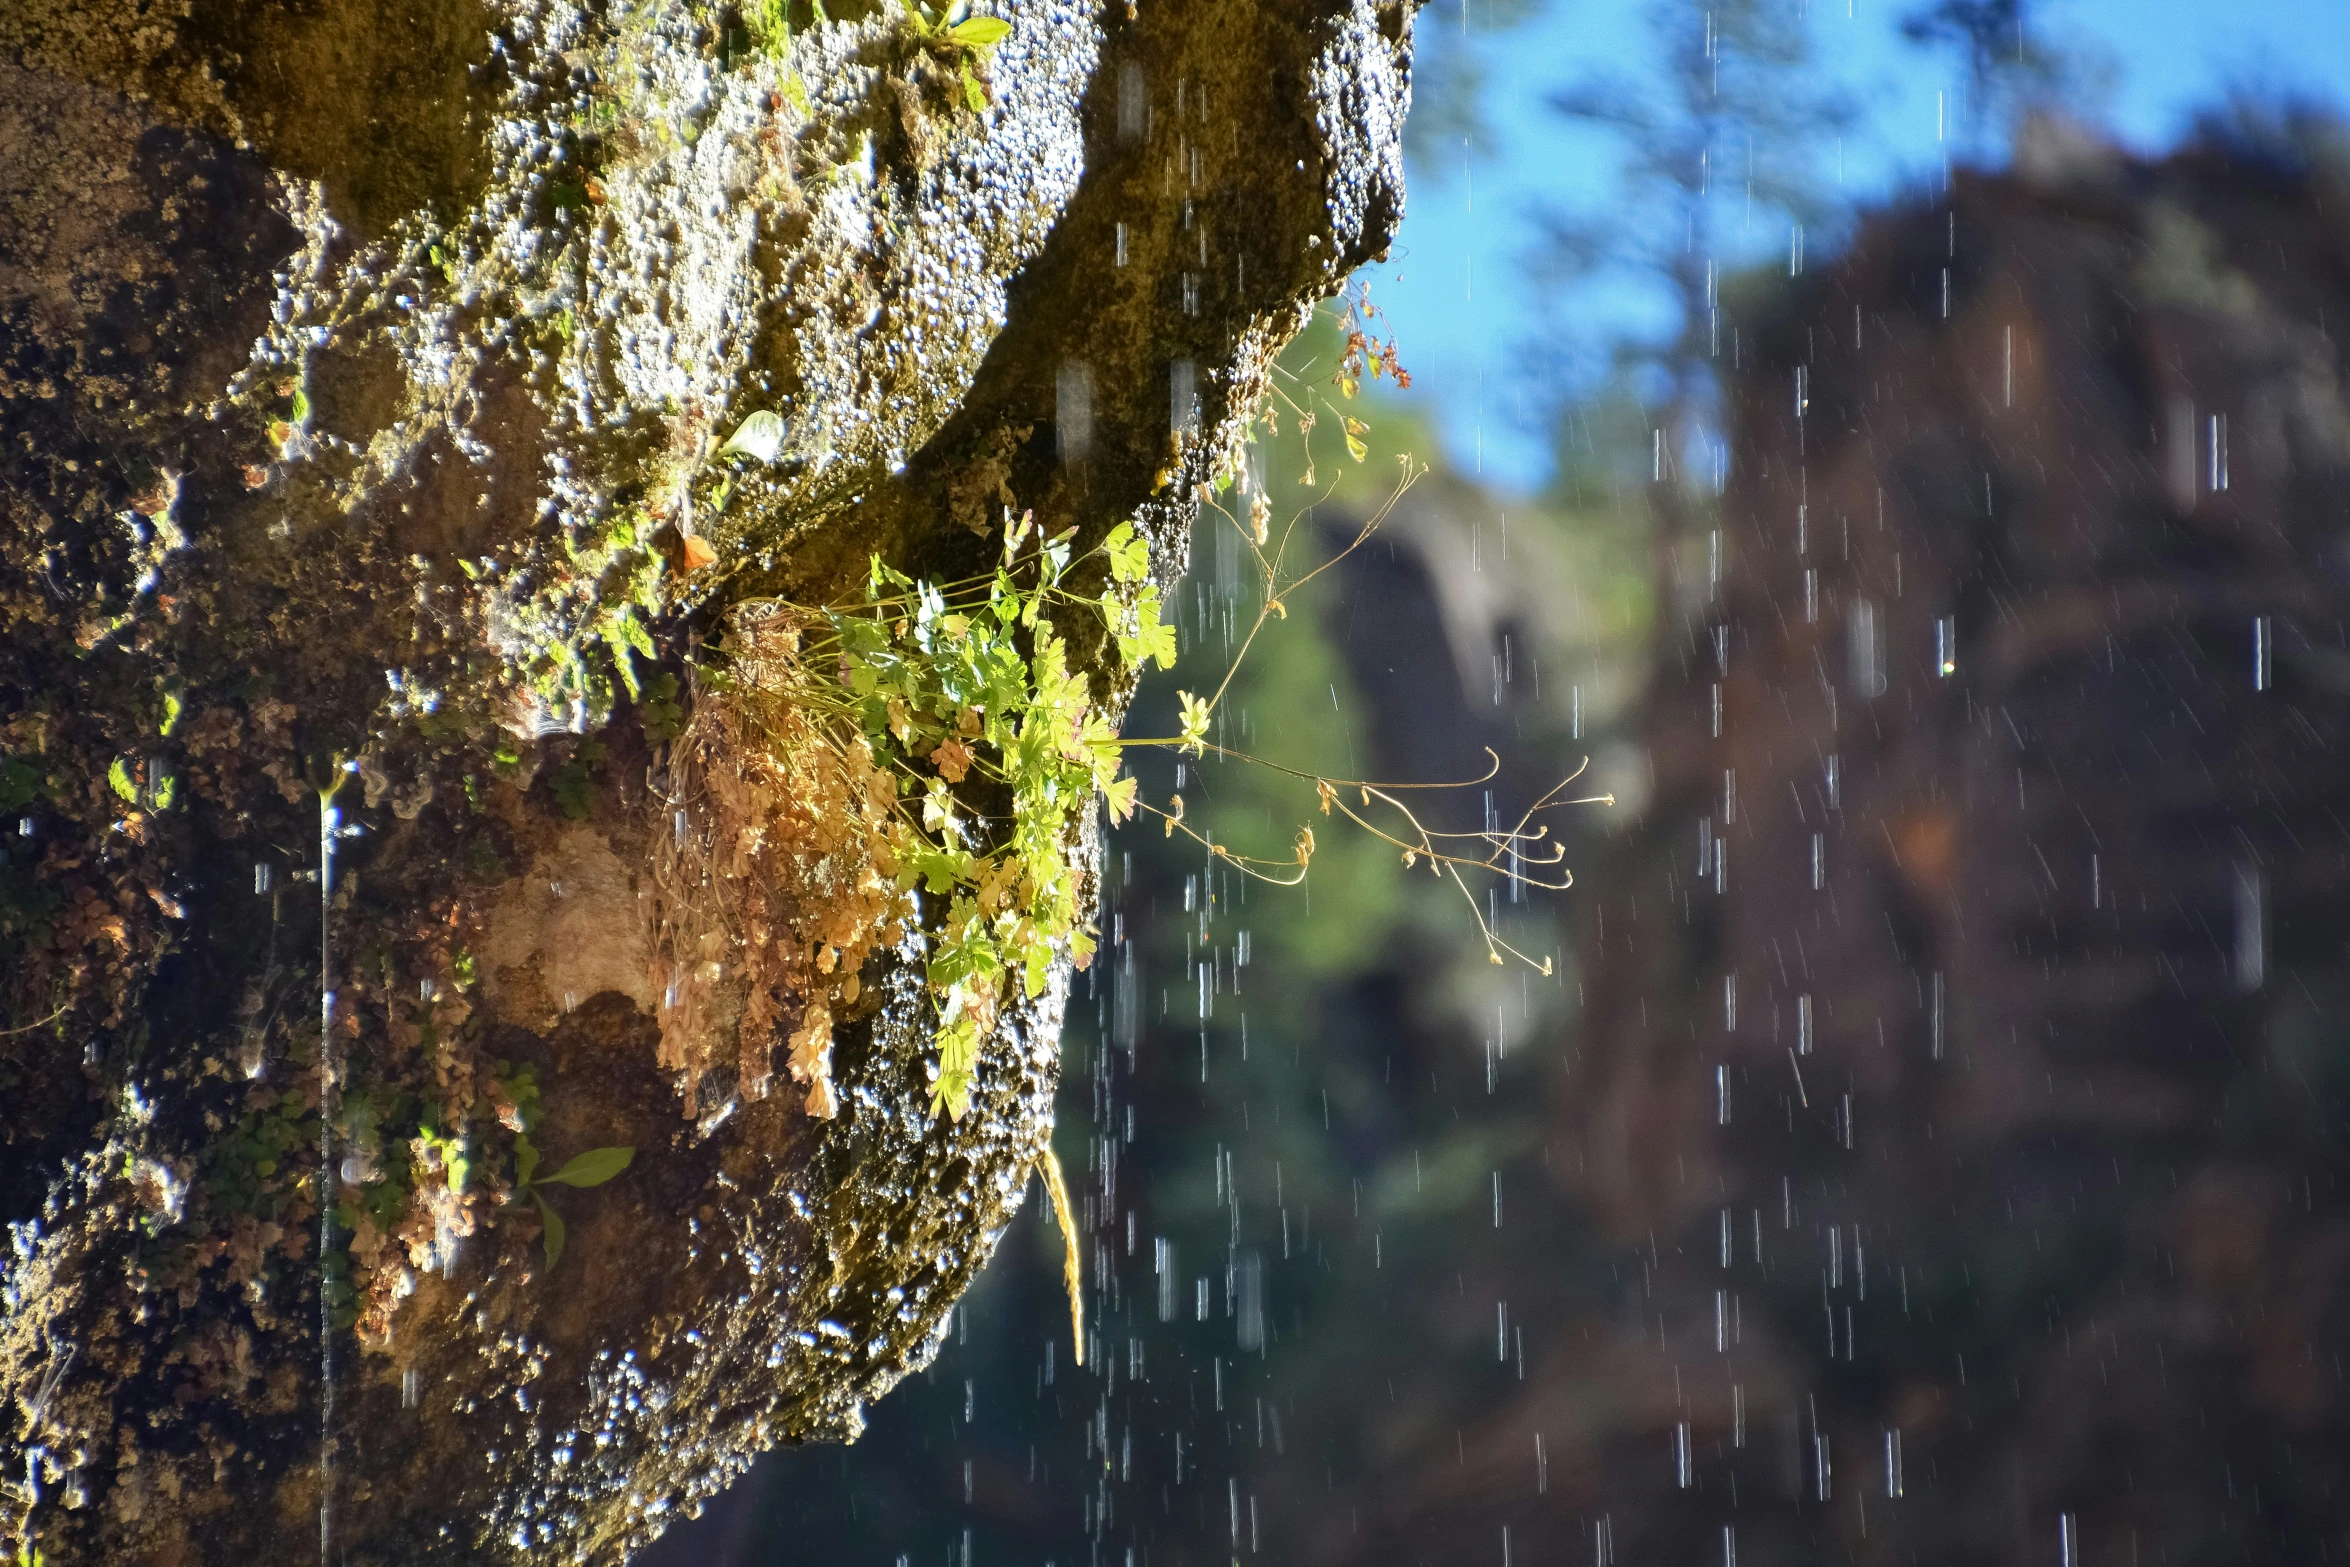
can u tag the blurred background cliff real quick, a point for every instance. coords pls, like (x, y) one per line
(1926, 1144)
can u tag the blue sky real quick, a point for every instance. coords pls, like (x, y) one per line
(1456, 289)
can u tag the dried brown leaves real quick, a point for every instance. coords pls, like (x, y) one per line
(774, 876)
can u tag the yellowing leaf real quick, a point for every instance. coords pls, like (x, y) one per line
(938, 808)
(952, 759)
(1194, 723)
(1072, 1267)
(1121, 797)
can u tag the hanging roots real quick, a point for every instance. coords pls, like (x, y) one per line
(774, 873)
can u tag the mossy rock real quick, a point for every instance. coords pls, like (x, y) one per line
(362, 375)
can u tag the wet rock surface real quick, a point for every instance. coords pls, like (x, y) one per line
(362, 371)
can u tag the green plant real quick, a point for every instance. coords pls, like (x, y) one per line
(959, 38)
(246, 1170)
(451, 1151)
(574, 782)
(946, 719)
(844, 763)
(592, 1168)
(660, 710)
(769, 24)
(20, 783)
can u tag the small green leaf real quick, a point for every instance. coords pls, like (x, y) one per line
(760, 436)
(552, 1224)
(980, 32)
(20, 783)
(167, 789)
(526, 1159)
(1129, 552)
(973, 94)
(118, 778)
(171, 714)
(301, 405)
(592, 1168)
(1158, 636)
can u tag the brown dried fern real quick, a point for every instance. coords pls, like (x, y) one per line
(774, 879)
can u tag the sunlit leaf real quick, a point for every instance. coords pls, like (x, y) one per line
(592, 1168)
(1194, 723)
(1156, 635)
(1129, 552)
(760, 437)
(980, 32)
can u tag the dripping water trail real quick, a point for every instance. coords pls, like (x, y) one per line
(329, 820)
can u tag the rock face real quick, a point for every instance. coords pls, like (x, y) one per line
(362, 374)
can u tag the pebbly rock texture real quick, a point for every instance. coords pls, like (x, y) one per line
(362, 373)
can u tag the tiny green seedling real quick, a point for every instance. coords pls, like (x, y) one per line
(592, 1168)
(963, 38)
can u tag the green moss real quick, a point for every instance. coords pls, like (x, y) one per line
(376, 98)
